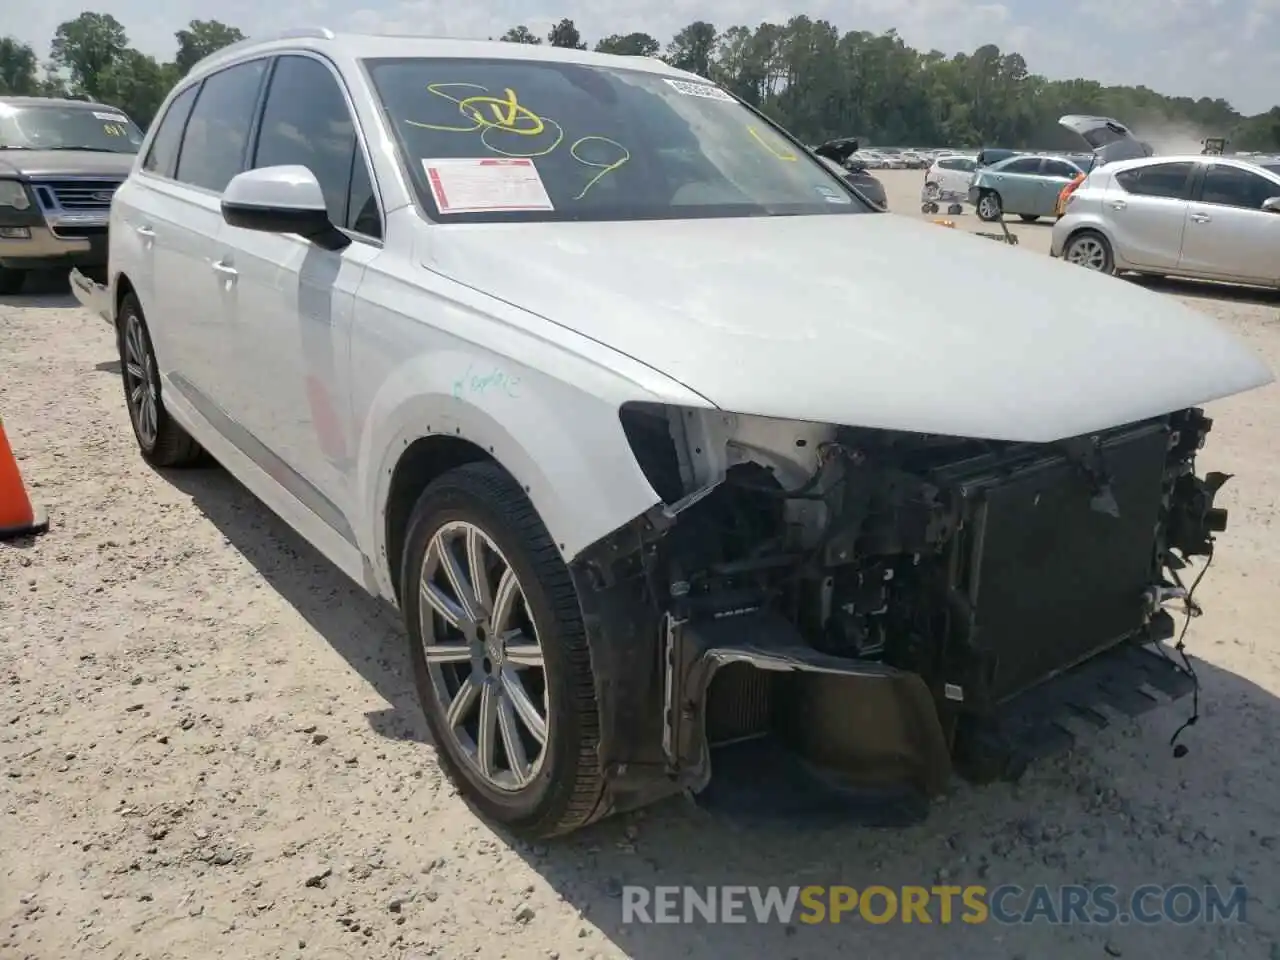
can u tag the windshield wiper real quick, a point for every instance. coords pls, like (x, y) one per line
(87, 149)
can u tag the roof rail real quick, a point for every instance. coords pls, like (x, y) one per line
(303, 33)
(294, 33)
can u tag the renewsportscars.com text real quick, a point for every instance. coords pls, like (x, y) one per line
(1006, 904)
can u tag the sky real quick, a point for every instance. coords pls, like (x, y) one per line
(1214, 48)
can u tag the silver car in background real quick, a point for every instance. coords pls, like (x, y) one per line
(1202, 217)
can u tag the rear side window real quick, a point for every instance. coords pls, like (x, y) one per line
(162, 158)
(213, 149)
(1167, 180)
(1233, 187)
(1056, 168)
(1023, 165)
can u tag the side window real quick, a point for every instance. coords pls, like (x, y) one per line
(218, 131)
(1024, 165)
(306, 121)
(948, 164)
(1168, 180)
(162, 158)
(1233, 187)
(1056, 168)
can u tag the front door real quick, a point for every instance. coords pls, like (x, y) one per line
(293, 302)
(1229, 235)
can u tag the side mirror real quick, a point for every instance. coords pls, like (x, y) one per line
(285, 199)
(1271, 205)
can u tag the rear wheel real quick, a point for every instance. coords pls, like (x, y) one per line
(162, 442)
(500, 654)
(11, 281)
(989, 206)
(1091, 251)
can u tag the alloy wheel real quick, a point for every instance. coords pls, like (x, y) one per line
(1087, 252)
(140, 381)
(483, 656)
(988, 206)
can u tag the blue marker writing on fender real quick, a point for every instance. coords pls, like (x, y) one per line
(496, 380)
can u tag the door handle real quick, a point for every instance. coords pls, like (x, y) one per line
(225, 270)
(1118, 205)
(1201, 217)
(145, 232)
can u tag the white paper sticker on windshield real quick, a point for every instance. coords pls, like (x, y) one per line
(705, 90)
(111, 117)
(831, 195)
(486, 185)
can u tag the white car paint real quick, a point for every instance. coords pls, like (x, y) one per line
(952, 172)
(525, 339)
(1176, 235)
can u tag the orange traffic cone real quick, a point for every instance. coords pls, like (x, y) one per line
(17, 516)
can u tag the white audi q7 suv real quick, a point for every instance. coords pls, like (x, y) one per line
(641, 417)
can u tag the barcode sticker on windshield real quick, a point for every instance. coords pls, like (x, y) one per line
(112, 117)
(704, 90)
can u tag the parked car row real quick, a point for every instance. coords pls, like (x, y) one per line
(643, 420)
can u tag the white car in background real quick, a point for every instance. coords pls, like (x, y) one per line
(1212, 218)
(949, 173)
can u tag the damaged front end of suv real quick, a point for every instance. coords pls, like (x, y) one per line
(829, 617)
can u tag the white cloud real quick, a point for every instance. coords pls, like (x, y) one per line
(1168, 45)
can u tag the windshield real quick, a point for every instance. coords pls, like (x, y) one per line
(66, 127)
(521, 140)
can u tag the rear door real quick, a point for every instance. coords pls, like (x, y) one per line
(191, 285)
(1018, 183)
(1229, 235)
(1146, 210)
(1057, 174)
(145, 201)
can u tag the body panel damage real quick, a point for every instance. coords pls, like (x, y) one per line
(884, 608)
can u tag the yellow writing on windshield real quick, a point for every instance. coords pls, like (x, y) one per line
(114, 130)
(508, 116)
(491, 114)
(780, 154)
(604, 168)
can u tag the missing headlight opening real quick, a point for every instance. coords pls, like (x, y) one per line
(821, 615)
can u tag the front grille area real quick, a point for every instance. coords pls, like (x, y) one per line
(75, 195)
(1056, 580)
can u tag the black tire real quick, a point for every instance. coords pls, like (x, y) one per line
(11, 281)
(1076, 242)
(567, 792)
(170, 446)
(989, 206)
(1028, 217)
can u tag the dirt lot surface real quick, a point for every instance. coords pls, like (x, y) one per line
(209, 745)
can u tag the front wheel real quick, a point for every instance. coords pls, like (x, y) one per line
(1091, 251)
(989, 206)
(500, 655)
(11, 281)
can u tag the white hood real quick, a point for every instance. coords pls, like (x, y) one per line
(875, 321)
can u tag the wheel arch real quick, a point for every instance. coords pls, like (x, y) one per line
(565, 447)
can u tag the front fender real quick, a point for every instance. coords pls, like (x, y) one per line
(560, 438)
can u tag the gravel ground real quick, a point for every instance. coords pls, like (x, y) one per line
(209, 744)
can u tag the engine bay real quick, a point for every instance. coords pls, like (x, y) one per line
(975, 570)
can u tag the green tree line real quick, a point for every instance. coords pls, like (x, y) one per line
(805, 73)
